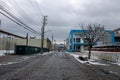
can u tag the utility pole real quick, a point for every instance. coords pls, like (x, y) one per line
(42, 33)
(0, 29)
(27, 40)
(0, 24)
(52, 43)
(64, 44)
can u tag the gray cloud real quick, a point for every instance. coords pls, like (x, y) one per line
(102, 12)
(63, 15)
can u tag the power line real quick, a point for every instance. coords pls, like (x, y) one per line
(35, 9)
(14, 20)
(17, 20)
(10, 18)
(21, 11)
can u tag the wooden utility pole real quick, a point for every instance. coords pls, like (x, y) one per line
(27, 40)
(42, 33)
(0, 29)
(64, 45)
(0, 24)
(52, 43)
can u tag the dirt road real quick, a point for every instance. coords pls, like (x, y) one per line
(54, 66)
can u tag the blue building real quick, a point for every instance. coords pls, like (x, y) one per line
(77, 43)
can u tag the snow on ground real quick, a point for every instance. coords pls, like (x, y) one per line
(91, 61)
(8, 63)
(47, 53)
(3, 52)
(97, 63)
(76, 57)
(116, 63)
(24, 58)
(114, 72)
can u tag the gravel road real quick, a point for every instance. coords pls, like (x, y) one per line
(54, 66)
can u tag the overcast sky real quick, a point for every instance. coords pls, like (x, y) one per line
(63, 15)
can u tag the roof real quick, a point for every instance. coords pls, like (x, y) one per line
(76, 31)
(81, 31)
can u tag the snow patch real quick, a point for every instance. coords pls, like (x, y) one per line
(76, 57)
(90, 61)
(80, 60)
(3, 52)
(116, 63)
(25, 58)
(96, 63)
(46, 53)
(51, 51)
(113, 72)
(9, 63)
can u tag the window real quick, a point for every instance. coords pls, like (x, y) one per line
(78, 46)
(77, 35)
(85, 40)
(77, 39)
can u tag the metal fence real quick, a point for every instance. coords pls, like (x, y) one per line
(25, 50)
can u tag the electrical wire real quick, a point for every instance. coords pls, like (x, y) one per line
(21, 11)
(35, 8)
(20, 22)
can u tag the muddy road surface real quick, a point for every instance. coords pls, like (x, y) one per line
(53, 66)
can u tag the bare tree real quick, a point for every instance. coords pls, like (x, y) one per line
(93, 34)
